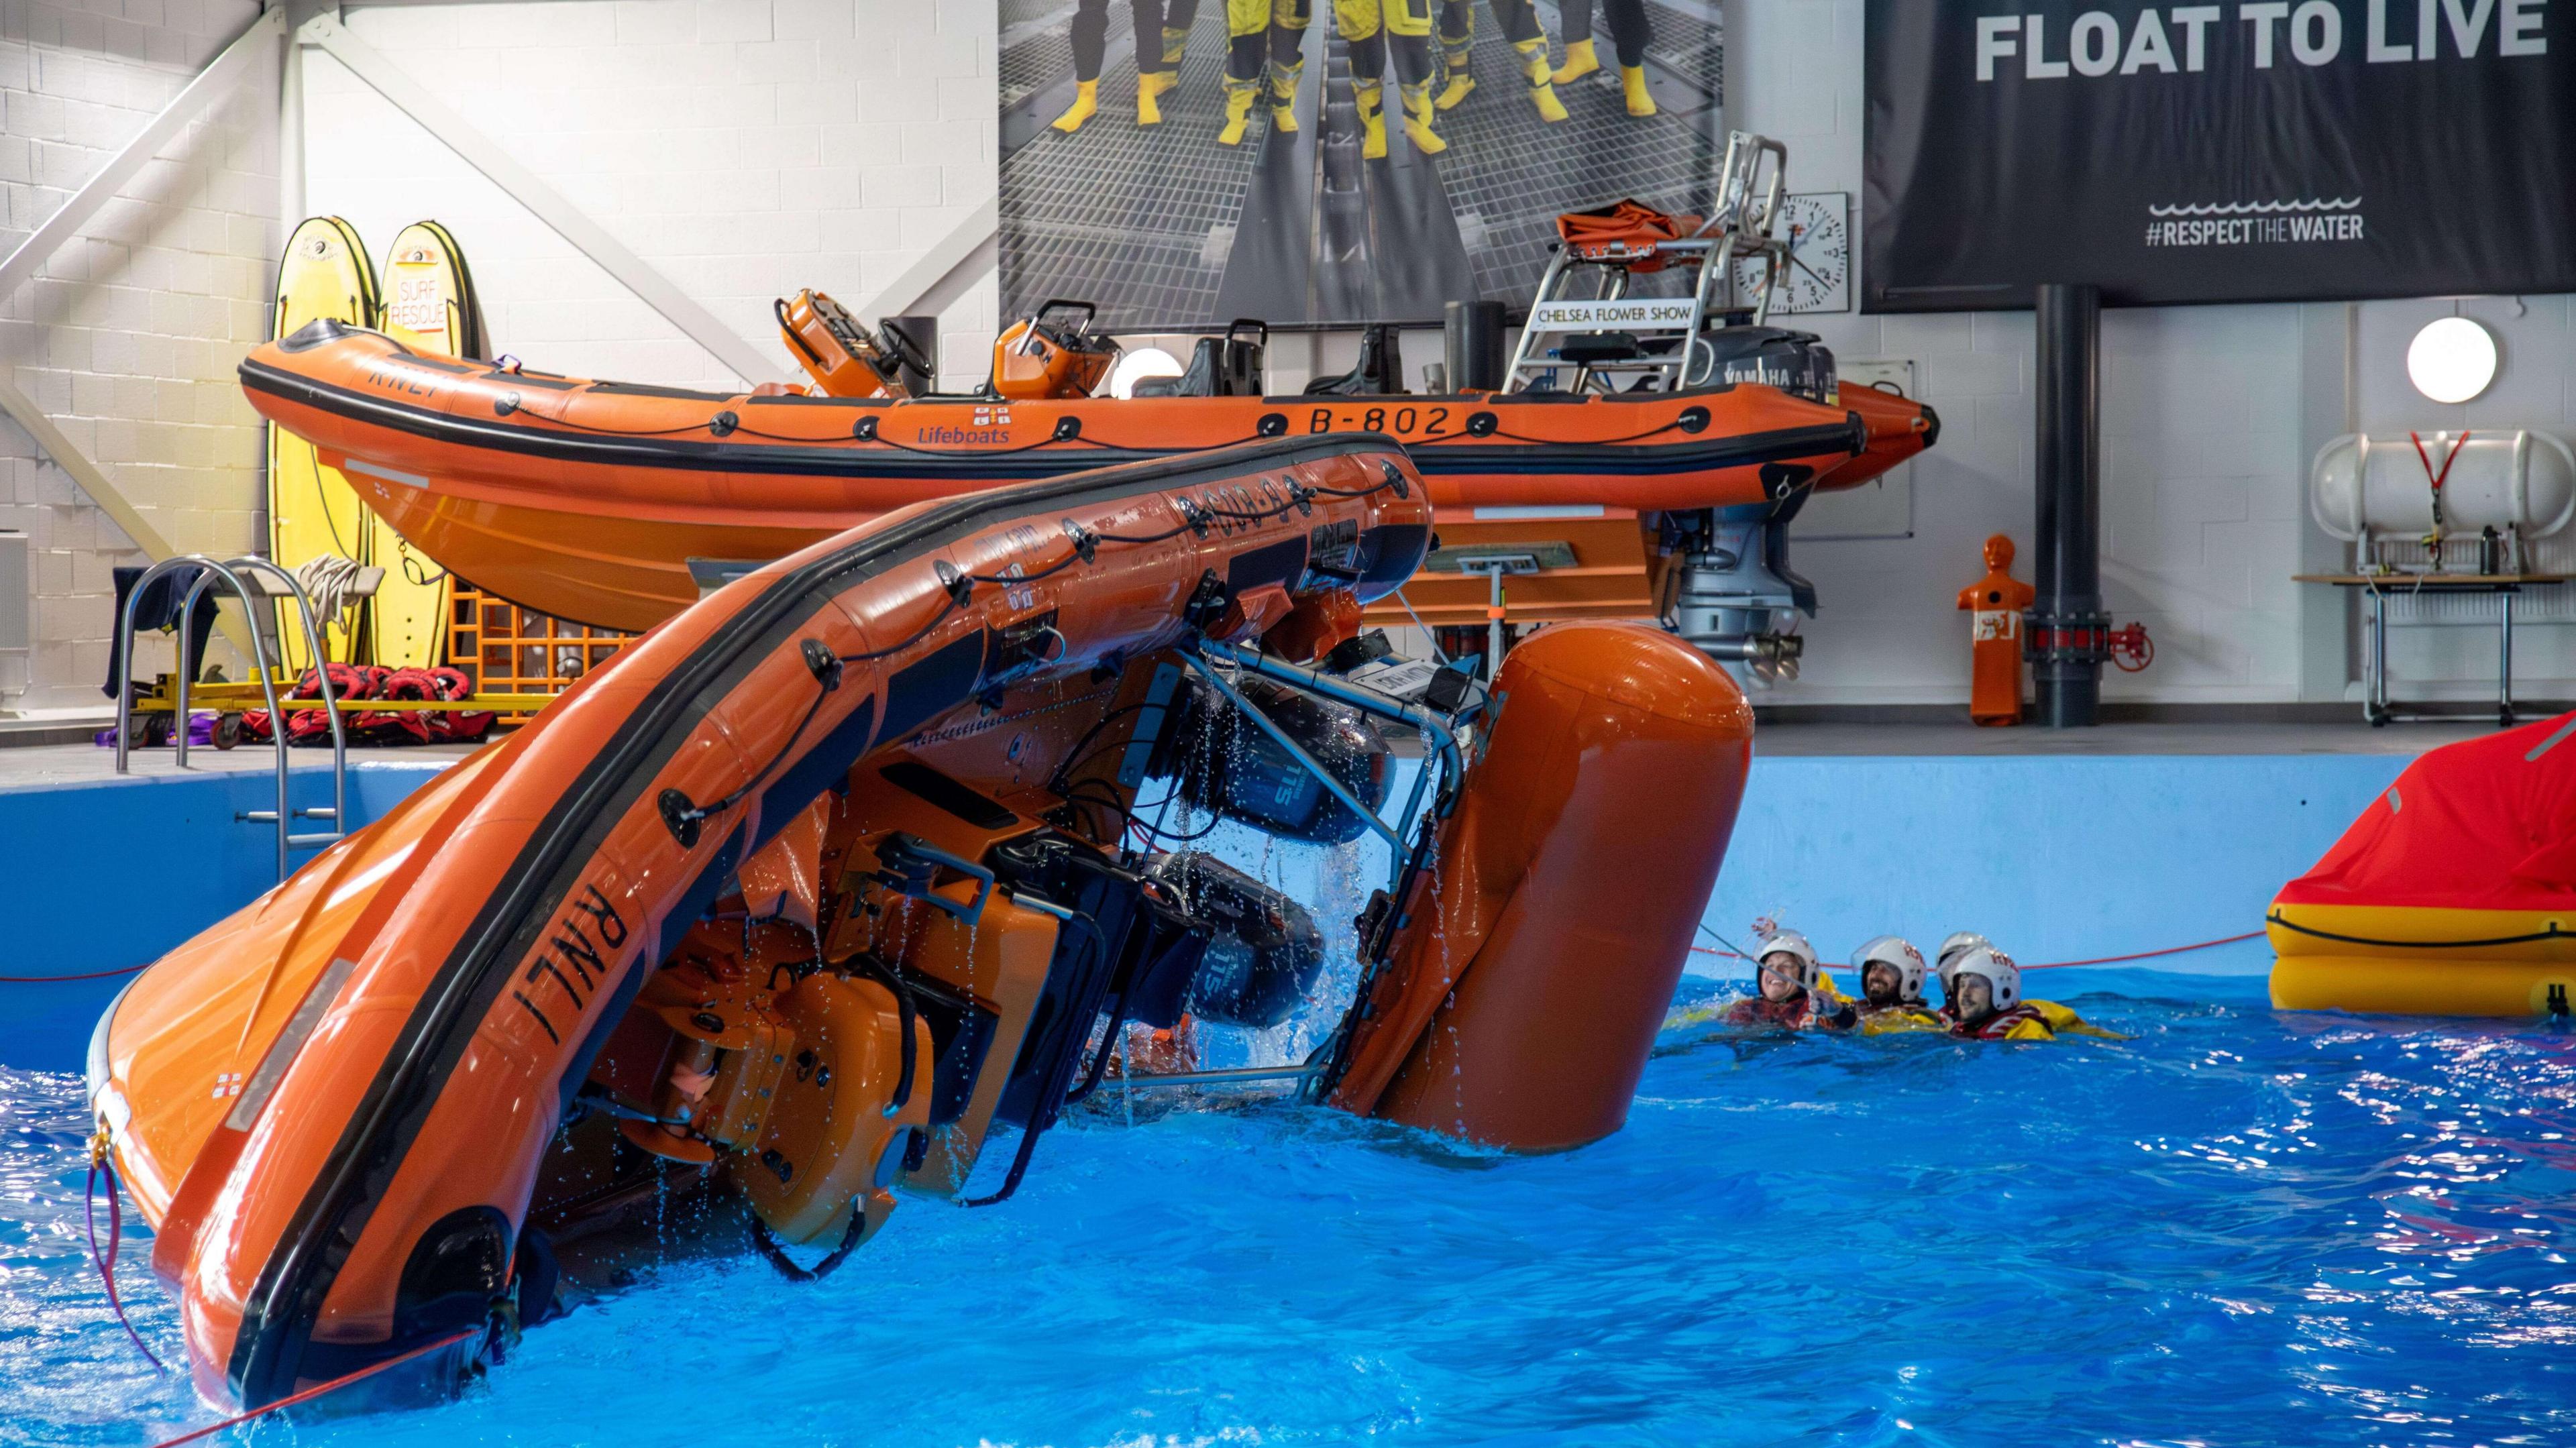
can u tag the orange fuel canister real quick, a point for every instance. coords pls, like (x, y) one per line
(1994, 606)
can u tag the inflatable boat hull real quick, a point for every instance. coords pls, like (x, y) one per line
(592, 501)
(334, 1105)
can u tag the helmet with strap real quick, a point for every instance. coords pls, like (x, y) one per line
(2002, 977)
(1958, 944)
(1807, 972)
(1898, 954)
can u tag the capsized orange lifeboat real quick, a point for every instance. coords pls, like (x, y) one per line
(795, 900)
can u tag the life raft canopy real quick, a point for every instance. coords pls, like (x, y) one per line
(2454, 893)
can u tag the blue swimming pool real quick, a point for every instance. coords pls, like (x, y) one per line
(2240, 1228)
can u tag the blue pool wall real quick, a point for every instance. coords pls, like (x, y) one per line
(114, 872)
(2056, 858)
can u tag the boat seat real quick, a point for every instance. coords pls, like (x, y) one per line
(1586, 348)
(1227, 366)
(1379, 372)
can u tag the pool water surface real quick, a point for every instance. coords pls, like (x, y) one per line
(2239, 1228)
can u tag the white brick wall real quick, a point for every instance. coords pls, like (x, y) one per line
(745, 148)
(128, 335)
(2204, 467)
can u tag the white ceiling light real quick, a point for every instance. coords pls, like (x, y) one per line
(1134, 367)
(2452, 360)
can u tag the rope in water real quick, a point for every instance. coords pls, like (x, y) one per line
(105, 1261)
(50, 979)
(2062, 964)
(309, 1394)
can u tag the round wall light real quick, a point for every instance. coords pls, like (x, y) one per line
(2452, 360)
(1134, 367)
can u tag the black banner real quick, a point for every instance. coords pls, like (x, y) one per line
(2281, 150)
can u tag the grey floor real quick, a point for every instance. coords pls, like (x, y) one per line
(46, 766)
(51, 766)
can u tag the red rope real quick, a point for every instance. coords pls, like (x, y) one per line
(309, 1394)
(2062, 964)
(2151, 954)
(48, 979)
(106, 1262)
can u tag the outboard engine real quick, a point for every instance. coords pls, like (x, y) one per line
(1798, 363)
(1263, 951)
(1734, 596)
(1227, 764)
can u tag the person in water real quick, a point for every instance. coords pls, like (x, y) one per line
(1793, 989)
(2061, 1019)
(1984, 1001)
(1891, 984)
(1955, 946)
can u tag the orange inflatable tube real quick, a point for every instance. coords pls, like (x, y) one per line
(611, 503)
(1518, 997)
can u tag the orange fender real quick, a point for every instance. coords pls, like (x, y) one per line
(1590, 832)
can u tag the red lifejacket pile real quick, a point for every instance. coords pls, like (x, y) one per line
(385, 726)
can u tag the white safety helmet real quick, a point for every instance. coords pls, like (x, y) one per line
(1809, 971)
(1959, 944)
(1899, 953)
(2003, 978)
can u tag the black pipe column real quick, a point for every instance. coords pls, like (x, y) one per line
(2067, 625)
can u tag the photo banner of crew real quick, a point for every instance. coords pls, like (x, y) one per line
(1182, 164)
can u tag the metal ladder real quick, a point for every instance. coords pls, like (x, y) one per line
(231, 572)
(1748, 207)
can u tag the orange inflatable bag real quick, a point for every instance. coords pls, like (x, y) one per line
(1994, 606)
(1052, 353)
(1628, 231)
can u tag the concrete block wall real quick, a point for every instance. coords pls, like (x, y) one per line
(2204, 455)
(127, 336)
(745, 148)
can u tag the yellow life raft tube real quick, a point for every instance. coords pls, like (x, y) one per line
(2454, 894)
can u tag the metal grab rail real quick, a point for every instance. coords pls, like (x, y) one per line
(1738, 229)
(229, 571)
(1313, 681)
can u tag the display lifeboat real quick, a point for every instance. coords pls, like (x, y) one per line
(1628, 435)
(804, 894)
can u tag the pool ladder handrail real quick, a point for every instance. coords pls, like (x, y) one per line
(231, 572)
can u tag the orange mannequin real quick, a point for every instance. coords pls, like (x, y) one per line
(1995, 604)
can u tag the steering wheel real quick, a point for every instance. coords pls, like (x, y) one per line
(906, 353)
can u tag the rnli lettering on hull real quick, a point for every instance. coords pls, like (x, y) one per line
(569, 948)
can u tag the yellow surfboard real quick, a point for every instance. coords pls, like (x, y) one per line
(311, 510)
(429, 307)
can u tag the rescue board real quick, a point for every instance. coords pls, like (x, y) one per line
(311, 509)
(430, 307)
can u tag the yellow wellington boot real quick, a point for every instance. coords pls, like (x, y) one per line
(1175, 42)
(1239, 96)
(1632, 79)
(1370, 96)
(1534, 68)
(1459, 55)
(1579, 62)
(1149, 86)
(1086, 99)
(1283, 96)
(1417, 119)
